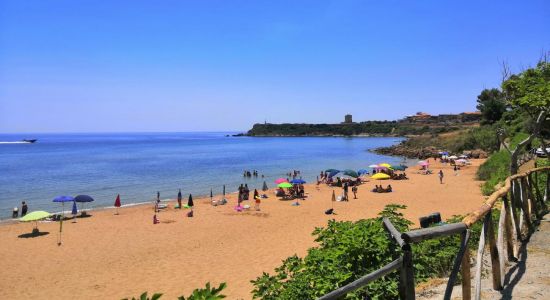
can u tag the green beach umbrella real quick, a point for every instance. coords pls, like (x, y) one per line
(398, 167)
(284, 185)
(351, 173)
(35, 216)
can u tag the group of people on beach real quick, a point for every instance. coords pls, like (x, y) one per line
(293, 174)
(244, 195)
(24, 209)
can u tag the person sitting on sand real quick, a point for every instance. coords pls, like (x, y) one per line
(389, 189)
(379, 189)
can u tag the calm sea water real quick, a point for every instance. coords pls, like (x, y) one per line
(137, 165)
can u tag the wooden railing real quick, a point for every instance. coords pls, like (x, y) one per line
(522, 204)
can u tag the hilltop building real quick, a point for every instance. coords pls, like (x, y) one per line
(425, 118)
(348, 119)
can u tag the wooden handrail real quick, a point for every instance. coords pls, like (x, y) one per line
(476, 215)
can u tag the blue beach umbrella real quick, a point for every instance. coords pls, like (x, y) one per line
(83, 199)
(297, 181)
(74, 211)
(63, 199)
(362, 171)
(331, 174)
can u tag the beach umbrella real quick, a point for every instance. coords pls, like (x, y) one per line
(83, 199)
(351, 173)
(362, 171)
(332, 170)
(297, 181)
(74, 211)
(63, 199)
(190, 201)
(399, 167)
(385, 165)
(35, 216)
(423, 163)
(453, 157)
(373, 166)
(264, 188)
(380, 176)
(284, 185)
(117, 203)
(333, 199)
(280, 180)
(331, 174)
(463, 156)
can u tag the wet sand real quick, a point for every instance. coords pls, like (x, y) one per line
(110, 256)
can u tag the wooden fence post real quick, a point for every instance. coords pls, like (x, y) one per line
(513, 208)
(525, 205)
(479, 261)
(406, 289)
(509, 236)
(466, 277)
(495, 259)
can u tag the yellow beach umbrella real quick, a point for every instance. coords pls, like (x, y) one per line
(380, 176)
(385, 165)
(35, 216)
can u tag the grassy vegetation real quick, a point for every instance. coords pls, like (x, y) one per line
(348, 250)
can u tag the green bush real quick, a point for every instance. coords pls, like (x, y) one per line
(349, 250)
(207, 293)
(494, 170)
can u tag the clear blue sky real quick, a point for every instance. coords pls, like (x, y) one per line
(98, 66)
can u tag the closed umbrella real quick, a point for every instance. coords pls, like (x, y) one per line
(190, 201)
(74, 211)
(179, 199)
(117, 203)
(264, 188)
(211, 195)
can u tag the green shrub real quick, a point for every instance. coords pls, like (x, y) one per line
(494, 170)
(207, 293)
(349, 250)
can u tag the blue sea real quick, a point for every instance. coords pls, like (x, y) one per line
(137, 165)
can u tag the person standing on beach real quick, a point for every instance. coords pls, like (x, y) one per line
(354, 191)
(257, 199)
(441, 176)
(456, 170)
(24, 209)
(345, 191)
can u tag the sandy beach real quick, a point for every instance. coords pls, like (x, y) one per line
(110, 256)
